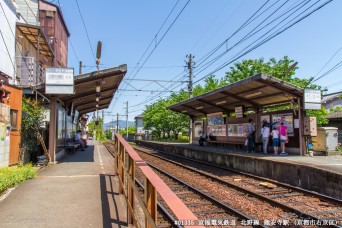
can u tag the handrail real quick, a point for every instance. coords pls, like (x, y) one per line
(125, 160)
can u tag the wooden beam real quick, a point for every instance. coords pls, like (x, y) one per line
(79, 95)
(237, 97)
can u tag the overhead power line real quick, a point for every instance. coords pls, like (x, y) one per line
(86, 30)
(276, 33)
(335, 67)
(163, 36)
(328, 61)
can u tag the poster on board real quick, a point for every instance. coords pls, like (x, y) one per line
(287, 118)
(198, 128)
(217, 130)
(237, 130)
(215, 118)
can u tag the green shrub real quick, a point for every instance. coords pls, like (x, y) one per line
(12, 176)
(339, 148)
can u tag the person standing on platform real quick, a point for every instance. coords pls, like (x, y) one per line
(265, 136)
(250, 131)
(275, 140)
(78, 139)
(266, 130)
(283, 137)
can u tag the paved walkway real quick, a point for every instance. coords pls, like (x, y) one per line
(80, 191)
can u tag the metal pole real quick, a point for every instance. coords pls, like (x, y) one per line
(300, 118)
(80, 70)
(190, 95)
(117, 123)
(94, 126)
(127, 120)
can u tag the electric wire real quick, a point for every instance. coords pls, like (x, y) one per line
(86, 30)
(247, 36)
(9, 25)
(335, 67)
(241, 27)
(248, 21)
(210, 53)
(73, 50)
(328, 62)
(168, 29)
(9, 54)
(264, 41)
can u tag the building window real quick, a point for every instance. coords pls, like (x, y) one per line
(14, 118)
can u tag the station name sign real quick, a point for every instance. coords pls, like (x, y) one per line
(59, 80)
(238, 112)
(312, 99)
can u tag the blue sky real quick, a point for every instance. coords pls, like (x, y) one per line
(126, 28)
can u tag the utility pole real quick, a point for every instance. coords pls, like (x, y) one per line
(112, 129)
(190, 65)
(94, 132)
(117, 123)
(81, 65)
(127, 120)
(102, 120)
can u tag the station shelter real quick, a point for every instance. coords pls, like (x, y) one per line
(67, 112)
(223, 114)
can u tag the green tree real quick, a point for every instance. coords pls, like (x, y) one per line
(131, 130)
(320, 115)
(108, 134)
(275, 68)
(32, 120)
(335, 109)
(210, 84)
(156, 114)
(96, 124)
(251, 67)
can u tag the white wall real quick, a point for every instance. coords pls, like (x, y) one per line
(28, 9)
(7, 41)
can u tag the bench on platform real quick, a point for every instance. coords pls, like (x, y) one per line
(72, 147)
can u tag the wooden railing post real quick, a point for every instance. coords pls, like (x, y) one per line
(121, 168)
(131, 171)
(151, 201)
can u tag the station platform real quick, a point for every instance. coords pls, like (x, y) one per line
(322, 174)
(79, 191)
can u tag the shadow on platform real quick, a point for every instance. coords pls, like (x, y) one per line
(109, 190)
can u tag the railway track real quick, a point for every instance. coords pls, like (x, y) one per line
(206, 208)
(260, 200)
(297, 204)
(165, 219)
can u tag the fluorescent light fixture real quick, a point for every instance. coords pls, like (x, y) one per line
(253, 94)
(221, 102)
(184, 111)
(98, 89)
(97, 106)
(200, 107)
(97, 99)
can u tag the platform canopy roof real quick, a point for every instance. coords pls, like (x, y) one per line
(87, 97)
(254, 92)
(35, 35)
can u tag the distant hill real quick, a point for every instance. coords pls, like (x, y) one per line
(122, 124)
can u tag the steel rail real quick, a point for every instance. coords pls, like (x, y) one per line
(162, 209)
(206, 196)
(308, 192)
(299, 213)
